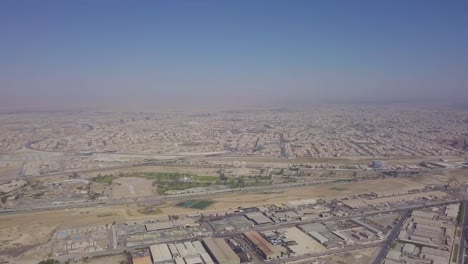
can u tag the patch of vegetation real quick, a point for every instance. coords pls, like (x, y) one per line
(106, 215)
(206, 178)
(338, 189)
(161, 176)
(191, 144)
(290, 180)
(106, 179)
(455, 253)
(167, 181)
(196, 204)
(150, 211)
(163, 187)
(461, 214)
(4, 199)
(253, 181)
(49, 261)
(202, 204)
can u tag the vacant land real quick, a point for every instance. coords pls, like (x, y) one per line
(9, 170)
(339, 189)
(356, 257)
(103, 260)
(132, 187)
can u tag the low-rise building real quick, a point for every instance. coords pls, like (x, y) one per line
(220, 251)
(265, 248)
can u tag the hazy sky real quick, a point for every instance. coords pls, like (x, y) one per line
(170, 53)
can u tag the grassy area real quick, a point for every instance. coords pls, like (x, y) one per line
(162, 176)
(206, 178)
(196, 204)
(106, 215)
(455, 253)
(106, 179)
(338, 189)
(164, 187)
(202, 204)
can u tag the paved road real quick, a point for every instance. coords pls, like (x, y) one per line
(464, 233)
(391, 237)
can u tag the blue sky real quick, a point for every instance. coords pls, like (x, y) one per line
(228, 52)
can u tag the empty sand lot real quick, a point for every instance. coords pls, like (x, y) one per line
(126, 187)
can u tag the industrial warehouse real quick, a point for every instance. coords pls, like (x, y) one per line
(188, 252)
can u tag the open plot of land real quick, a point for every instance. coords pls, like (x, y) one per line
(132, 187)
(103, 260)
(11, 186)
(385, 219)
(322, 191)
(304, 243)
(454, 176)
(9, 170)
(19, 240)
(356, 257)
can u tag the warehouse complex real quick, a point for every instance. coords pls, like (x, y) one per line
(180, 253)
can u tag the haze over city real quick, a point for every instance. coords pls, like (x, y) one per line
(210, 53)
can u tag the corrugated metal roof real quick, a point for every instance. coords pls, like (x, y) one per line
(160, 253)
(221, 250)
(260, 242)
(199, 247)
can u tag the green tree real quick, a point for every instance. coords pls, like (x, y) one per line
(49, 261)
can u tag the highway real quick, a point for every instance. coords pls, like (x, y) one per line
(391, 237)
(464, 235)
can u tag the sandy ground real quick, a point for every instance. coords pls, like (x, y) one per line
(132, 187)
(11, 186)
(103, 260)
(355, 257)
(319, 192)
(9, 170)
